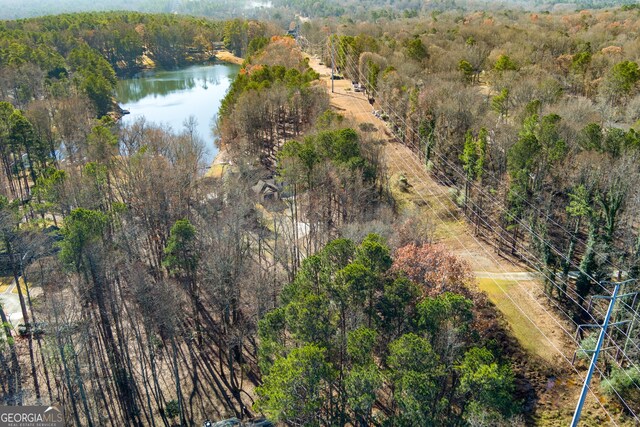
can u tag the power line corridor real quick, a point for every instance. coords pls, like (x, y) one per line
(555, 332)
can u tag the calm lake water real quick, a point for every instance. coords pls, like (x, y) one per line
(170, 97)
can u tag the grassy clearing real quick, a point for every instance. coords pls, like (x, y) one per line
(451, 230)
(215, 171)
(592, 414)
(5, 282)
(23, 288)
(526, 334)
(431, 201)
(403, 199)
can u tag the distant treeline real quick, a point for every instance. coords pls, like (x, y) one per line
(15, 9)
(56, 55)
(120, 37)
(285, 10)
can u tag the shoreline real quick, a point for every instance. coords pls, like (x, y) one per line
(222, 160)
(148, 64)
(226, 56)
(219, 164)
(221, 57)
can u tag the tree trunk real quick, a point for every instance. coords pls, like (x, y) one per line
(15, 378)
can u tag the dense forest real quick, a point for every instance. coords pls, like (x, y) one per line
(285, 10)
(16, 9)
(153, 295)
(531, 118)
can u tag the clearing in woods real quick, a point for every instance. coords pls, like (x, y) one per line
(514, 289)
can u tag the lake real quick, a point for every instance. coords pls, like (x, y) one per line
(171, 97)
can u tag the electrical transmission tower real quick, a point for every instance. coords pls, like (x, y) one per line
(614, 298)
(606, 324)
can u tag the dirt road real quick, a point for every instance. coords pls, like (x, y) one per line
(434, 199)
(514, 289)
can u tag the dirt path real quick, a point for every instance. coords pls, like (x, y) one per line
(517, 275)
(515, 290)
(512, 288)
(451, 229)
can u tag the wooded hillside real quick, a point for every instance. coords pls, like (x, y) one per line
(297, 285)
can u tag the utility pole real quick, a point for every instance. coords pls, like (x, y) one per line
(333, 62)
(594, 359)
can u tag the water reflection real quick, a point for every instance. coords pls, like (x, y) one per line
(142, 87)
(170, 97)
(161, 83)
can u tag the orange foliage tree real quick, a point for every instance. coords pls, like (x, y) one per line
(432, 266)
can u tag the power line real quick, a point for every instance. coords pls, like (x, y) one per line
(456, 169)
(530, 320)
(497, 202)
(516, 281)
(570, 335)
(556, 305)
(594, 358)
(518, 307)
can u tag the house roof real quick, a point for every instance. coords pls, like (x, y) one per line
(266, 186)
